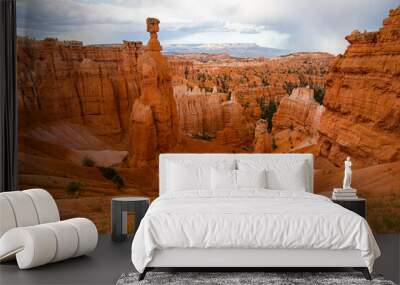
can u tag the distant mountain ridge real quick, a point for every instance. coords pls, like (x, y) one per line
(241, 50)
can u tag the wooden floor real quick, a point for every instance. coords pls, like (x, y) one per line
(110, 260)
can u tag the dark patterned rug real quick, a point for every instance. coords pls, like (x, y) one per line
(269, 278)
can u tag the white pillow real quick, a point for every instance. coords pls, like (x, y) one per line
(291, 178)
(251, 178)
(193, 174)
(281, 174)
(184, 177)
(223, 179)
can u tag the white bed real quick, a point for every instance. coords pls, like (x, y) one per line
(248, 227)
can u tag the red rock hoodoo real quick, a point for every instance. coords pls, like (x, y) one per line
(154, 124)
(200, 112)
(294, 125)
(298, 110)
(262, 138)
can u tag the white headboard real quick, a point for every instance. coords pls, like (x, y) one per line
(209, 157)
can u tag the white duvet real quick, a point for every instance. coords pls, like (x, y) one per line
(250, 219)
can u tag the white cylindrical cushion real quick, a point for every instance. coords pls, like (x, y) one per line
(37, 245)
(87, 235)
(45, 205)
(23, 208)
(33, 246)
(67, 240)
(7, 218)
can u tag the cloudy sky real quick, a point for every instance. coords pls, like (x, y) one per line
(296, 25)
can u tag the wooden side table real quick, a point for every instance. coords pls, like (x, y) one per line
(120, 206)
(357, 205)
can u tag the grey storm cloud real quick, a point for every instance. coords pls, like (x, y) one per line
(299, 25)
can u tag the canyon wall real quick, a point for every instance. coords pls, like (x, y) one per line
(93, 85)
(362, 100)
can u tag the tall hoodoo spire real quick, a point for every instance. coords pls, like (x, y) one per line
(153, 28)
(154, 123)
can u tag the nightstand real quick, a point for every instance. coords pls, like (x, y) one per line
(119, 208)
(358, 205)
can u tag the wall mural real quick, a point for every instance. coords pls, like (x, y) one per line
(93, 118)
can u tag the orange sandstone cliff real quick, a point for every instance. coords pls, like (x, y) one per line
(362, 100)
(94, 85)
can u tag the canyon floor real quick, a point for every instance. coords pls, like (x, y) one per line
(46, 165)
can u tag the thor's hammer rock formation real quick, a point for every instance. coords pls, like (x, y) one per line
(154, 124)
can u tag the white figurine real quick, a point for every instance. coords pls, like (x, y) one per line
(347, 174)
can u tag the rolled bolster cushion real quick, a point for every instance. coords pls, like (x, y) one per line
(66, 238)
(32, 246)
(87, 235)
(40, 244)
